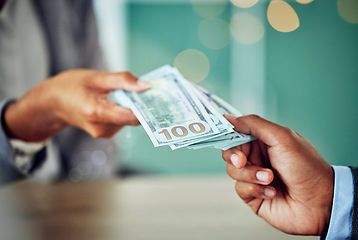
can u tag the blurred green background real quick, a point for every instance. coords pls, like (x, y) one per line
(305, 79)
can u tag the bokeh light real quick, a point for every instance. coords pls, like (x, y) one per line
(86, 167)
(214, 33)
(75, 175)
(98, 158)
(348, 10)
(244, 3)
(282, 16)
(246, 28)
(209, 8)
(304, 1)
(193, 64)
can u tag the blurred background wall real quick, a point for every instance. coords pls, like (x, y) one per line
(293, 62)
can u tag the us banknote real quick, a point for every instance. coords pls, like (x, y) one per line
(232, 138)
(169, 111)
(180, 114)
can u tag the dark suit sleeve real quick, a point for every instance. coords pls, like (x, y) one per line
(8, 171)
(354, 232)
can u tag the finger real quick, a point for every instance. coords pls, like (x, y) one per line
(249, 191)
(235, 156)
(268, 132)
(106, 123)
(120, 116)
(105, 131)
(122, 80)
(107, 112)
(251, 174)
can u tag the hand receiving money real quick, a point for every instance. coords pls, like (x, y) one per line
(178, 113)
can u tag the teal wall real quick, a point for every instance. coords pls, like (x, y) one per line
(313, 76)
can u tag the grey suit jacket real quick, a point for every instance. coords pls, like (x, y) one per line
(71, 34)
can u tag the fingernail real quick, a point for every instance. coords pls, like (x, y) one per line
(143, 83)
(262, 176)
(229, 116)
(269, 192)
(235, 160)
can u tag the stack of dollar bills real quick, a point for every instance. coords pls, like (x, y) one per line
(179, 113)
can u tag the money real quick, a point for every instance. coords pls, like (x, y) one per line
(180, 114)
(220, 142)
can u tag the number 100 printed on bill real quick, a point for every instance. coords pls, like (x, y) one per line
(182, 132)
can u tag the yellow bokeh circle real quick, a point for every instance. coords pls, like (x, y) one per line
(304, 1)
(282, 16)
(244, 3)
(193, 64)
(246, 28)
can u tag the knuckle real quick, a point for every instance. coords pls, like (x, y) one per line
(126, 75)
(229, 170)
(91, 113)
(97, 132)
(107, 136)
(253, 117)
(287, 131)
(103, 131)
(251, 189)
(247, 175)
(94, 133)
(239, 190)
(289, 135)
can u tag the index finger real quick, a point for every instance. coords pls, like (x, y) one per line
(122, 80)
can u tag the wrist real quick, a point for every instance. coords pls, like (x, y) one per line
(2, 116)
(27, 119)
(328, 203)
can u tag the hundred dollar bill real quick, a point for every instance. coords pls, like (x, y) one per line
(224, 108)
(224, 143)
(170, 112)
(232, 144)
(223, 125)
(221, 105)
(220, 122)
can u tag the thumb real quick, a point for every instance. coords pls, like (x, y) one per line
(121, 80)
(268, 132)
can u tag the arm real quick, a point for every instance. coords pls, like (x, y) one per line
(75, 97)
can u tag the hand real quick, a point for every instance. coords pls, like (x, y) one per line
(282, 177)
(75, 97)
